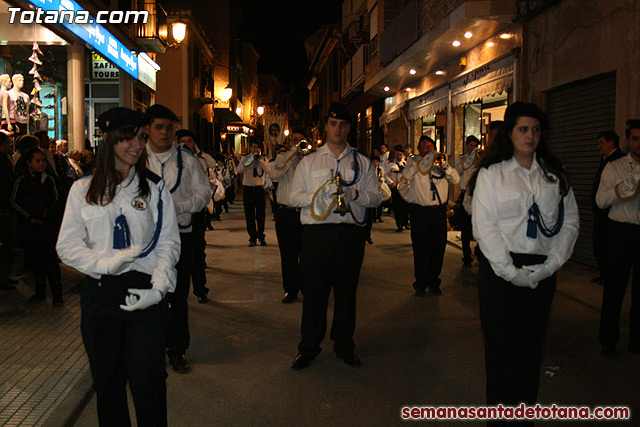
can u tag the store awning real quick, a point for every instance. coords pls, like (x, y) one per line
(487, 80)
(392, 114)
(225, 115)
(429, 103)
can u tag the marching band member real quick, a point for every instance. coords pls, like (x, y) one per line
(393, 178)
(466, 166)
(191, 192)
(618, 189)
(288, 226)
(332, 243)
(120, 229)
(525, 219)
(253, 167)
(428, 194)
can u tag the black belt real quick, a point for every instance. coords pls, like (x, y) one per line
(430, 207)
(289, 208)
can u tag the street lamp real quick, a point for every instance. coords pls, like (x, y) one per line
(260, 110)
(178, 33)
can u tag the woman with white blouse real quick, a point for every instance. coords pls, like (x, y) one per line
(120, 229)
(525, 220)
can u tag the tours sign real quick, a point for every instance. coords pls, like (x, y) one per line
(101, 69)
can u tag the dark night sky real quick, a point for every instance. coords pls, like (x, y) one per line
(278, 29)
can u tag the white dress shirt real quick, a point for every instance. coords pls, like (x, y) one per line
(85, 241)
(261, 167)
(466, 167)
(282, 172)
(503, 195)
(420, 191)
(394, 171)
(613, 175)
(194, 191)
(315, 169)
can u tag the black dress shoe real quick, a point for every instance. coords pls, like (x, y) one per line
(399, 229)
(263, 242)
(180, 364)
(435, 291)
(608, 351)
(301, 362)
(351, 360)
(203, 299)
(421, 293)
(288, 298)
(252, 243)
(36, 298)
(369, 241)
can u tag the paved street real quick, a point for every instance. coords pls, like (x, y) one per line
(415, 351)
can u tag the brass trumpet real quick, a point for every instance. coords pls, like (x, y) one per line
(342, 208)
(304, 147)
(250, 160)
(439, 159)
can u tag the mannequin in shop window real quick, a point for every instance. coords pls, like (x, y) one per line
(5, 85)
(18, 105)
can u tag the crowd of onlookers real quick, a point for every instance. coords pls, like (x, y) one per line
(36, 174)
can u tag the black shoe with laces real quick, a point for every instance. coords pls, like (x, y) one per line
(252, 243)
(180, 364)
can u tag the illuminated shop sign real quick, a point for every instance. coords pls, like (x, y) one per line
(95, 35)
(241, 129)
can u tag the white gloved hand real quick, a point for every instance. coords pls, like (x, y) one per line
(332, 187)
(349, 194)
(523, 280)
(122, 259)
(139, 299)
(538, 272)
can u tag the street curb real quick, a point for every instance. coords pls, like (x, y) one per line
(71, 407)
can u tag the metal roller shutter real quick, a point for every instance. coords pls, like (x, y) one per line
(577, 113)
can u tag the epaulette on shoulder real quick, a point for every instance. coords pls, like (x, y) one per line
(151, 176)
(186, 150)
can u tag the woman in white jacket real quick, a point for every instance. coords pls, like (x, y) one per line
(525, 219)
(120, 229)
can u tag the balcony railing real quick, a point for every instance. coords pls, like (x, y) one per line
(149, 30)
(403, 31)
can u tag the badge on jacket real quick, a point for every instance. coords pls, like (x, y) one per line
(139, 203)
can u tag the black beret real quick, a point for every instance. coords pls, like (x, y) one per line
(119, 117)
(339, 111)
(398, 148)
(633, 124)
(525, 109)
(183, 132)
(158, 111)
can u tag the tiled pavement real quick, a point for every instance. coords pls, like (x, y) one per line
(42, 357)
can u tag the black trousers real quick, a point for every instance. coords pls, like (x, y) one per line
(331, 257)
(8, 240)
(601, 225)
(514, 322)
(429, 240)
(400, 208)
(198, 276)
(624, 254)
(289, 233)
(178, 333)
(254, 211)
(466, 231)
(41, 257)
(125, 347)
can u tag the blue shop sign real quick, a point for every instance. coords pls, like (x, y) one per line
(95, 35)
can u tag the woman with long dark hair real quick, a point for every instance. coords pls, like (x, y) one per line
(525, 219)
(120, 229)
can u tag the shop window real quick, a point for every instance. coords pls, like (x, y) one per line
(478, 116)
(105, 90)
(435, 127)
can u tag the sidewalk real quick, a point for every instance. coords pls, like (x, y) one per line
(44, 372)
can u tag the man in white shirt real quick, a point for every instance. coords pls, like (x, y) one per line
(466, 166)
(187, 139)
(428, 194)
(618, 191)
(333, 242)
(191, 192)
(609, 146)
(288, 226)
(253, 168)
(394, 174)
